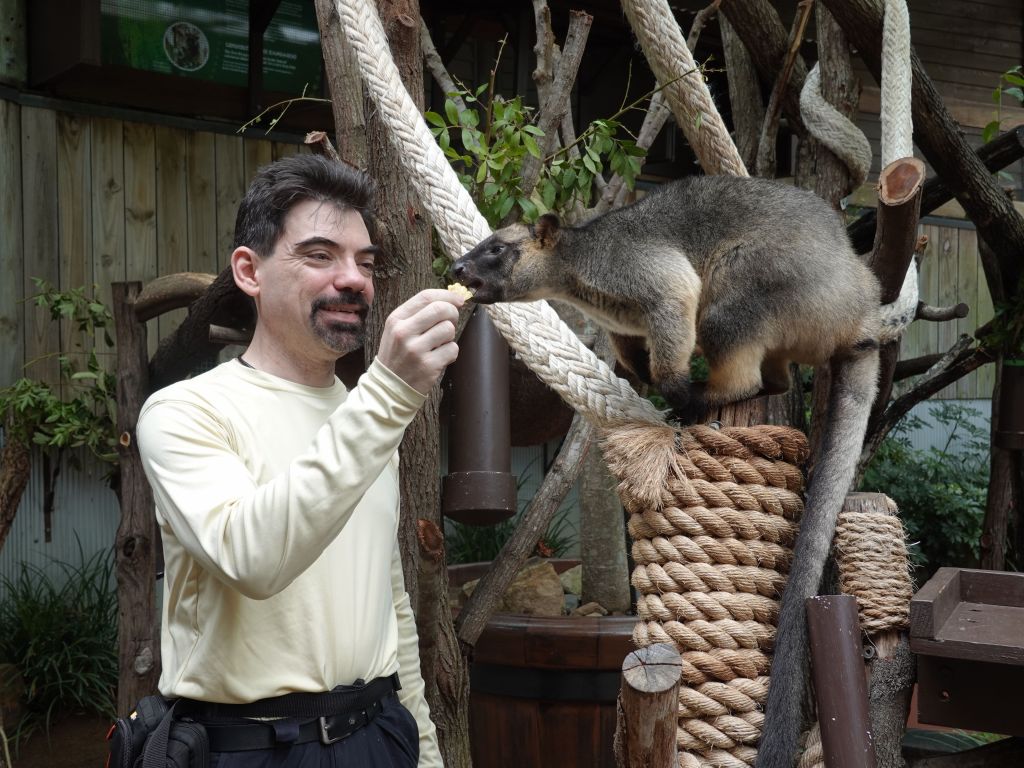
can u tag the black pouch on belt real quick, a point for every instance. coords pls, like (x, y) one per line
(150, 737)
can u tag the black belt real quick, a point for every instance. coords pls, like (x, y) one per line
(338, 714)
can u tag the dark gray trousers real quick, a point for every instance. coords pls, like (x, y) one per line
(391, 740)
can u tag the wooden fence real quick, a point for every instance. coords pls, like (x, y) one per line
(92, 200)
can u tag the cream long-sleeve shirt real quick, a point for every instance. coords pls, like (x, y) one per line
(278, 508)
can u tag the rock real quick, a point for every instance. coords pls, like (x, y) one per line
(591, 609)
(572, 580)
(536, 591)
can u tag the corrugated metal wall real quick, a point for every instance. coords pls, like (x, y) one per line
(85, 515)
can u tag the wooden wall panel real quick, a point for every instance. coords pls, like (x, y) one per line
(140, 209)
(74, 219)
(258, 152)
(204, 254)
(231, 183)
(171, 212)
(41, 244)
(108, 213)
(12, 247)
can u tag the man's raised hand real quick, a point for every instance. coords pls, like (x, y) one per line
(418, 341)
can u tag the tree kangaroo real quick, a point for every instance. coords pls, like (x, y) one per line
(755, 274)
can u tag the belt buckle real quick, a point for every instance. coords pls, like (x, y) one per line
(325, 733)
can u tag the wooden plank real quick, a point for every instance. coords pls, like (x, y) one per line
(967, 292)
(939, 39)
(140, 209)
(171, 213)
(285, 149)
(985, 311)
(203, 253)
(230, 190)
(983, 29)
(258, 152)
(993, 587)
(982, 67)
(934, 602)
(994, 13)
(971, 695)
(12, 250)
(74, 220)
(108, 238)
(39, 200)
(946, 252)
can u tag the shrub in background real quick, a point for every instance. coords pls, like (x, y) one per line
(940, 491)
(60, 631)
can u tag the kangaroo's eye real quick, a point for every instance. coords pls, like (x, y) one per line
(495, 249)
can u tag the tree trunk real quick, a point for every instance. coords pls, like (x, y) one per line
(345, 86)
(404, 234)
(744, 93)
(603, 553)
(15, 469)
(1004, 492)
(138, 630)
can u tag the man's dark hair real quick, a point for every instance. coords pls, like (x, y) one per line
(285, 183)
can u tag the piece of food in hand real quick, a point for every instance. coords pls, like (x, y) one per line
(461, 290)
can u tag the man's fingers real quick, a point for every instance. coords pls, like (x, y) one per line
(424, 299)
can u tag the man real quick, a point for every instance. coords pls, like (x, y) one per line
(277, 495)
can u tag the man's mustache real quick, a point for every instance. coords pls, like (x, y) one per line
(345, 297)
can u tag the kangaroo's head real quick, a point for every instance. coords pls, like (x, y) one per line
(514, 264)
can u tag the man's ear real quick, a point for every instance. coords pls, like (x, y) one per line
(243, 266)
(546, 230)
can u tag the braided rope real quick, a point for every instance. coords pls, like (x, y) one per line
(547, 346)
(833, 129)
(813, 755)
(897, 83)
(687, 94)
(713, 515)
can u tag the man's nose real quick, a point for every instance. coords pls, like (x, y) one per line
(347, 274)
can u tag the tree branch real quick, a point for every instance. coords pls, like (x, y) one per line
(952, 366)
(437, 68)
(940, 314)
(555, 106)
(699, 22)
(535, 520)
(770, 127)
(997, 154)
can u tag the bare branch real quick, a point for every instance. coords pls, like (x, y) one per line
(554, 107)
(953, 365)
(437, 68)
(536, 517)
(940, 314)
(322, 145)
(766, 146)
(699, 22)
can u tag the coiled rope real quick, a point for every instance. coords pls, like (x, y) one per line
(713, 515)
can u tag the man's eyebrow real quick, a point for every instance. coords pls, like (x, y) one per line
(327, 242)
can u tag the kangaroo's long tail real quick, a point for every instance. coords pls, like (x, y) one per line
(852, 391)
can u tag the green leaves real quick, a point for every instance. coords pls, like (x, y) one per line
(83, 414)
(1010, 84)
(488, 143)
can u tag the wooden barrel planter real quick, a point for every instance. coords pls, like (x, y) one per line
(543, 689)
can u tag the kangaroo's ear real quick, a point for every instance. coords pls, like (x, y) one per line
(546, 230)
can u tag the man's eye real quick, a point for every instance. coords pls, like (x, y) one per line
(367, 267)
(319, 256)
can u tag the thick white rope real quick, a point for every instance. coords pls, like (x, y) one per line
(833, 129)
(547, 346)
(687, 94)
(897, 83)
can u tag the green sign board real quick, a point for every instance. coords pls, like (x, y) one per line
(209, 40)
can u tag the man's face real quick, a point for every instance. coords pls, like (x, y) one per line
(316, 287)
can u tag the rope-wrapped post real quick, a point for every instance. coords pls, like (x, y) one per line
(645, 729)
(713, 515)
(874, 567)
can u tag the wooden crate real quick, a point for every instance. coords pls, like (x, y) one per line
(967, 629)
